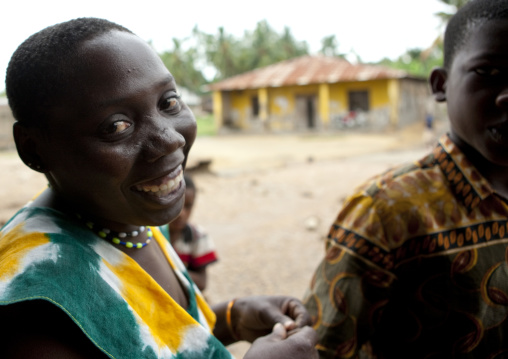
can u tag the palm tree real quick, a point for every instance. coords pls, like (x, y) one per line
(182, 64)
(288, 47)
(329, 46)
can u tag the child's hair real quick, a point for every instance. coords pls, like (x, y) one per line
(42, 65)
(475, 12)
(189, 183)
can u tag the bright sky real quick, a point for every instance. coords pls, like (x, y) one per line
(373, 29)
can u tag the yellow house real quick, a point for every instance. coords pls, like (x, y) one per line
(319, 92)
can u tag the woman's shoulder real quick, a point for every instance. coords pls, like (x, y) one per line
(40, 219)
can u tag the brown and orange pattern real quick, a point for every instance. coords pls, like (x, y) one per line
(416, 266)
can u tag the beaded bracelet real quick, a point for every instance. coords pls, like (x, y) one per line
(228, 319)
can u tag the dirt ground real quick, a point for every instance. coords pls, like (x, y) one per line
(267, 201)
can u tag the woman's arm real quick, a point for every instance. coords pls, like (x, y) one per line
(38, 329)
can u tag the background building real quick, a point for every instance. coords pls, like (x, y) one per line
(319, 92)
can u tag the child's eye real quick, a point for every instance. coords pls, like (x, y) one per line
(117, 127)
(487, 71)
(171, 104)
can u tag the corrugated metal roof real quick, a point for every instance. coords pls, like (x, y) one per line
(306, 70)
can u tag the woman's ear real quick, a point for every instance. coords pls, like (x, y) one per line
(27, 146)
(437, 79)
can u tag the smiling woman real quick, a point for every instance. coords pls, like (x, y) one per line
(126, 117)
(84, 270)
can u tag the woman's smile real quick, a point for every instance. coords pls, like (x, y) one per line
(162, 186)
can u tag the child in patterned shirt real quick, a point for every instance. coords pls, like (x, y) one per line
(416, 263)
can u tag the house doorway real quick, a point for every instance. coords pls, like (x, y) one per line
(306, 113)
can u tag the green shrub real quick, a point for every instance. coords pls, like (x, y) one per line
(206, 125)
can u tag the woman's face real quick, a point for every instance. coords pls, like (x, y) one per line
(117, 143)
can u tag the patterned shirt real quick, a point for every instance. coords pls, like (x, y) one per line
(416, 266)
(114, 301)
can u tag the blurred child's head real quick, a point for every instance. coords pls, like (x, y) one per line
(99, 114)
(474, 80)
(179, 223)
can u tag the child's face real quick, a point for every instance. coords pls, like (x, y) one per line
(476, 92)
(119, 131)
(179, 223)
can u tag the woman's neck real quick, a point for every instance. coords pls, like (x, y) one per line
(49, 198)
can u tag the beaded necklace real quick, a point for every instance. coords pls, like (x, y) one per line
(118, 237)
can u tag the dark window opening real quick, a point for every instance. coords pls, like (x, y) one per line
(358, 101)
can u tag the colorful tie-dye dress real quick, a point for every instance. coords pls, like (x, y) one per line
(119, 307)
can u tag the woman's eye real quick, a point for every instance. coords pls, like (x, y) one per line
(118, 127)
(171, 104)
(487, 71)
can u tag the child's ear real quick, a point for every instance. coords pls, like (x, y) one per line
(437, 80)
(26, 145)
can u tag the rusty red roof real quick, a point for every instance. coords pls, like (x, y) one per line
(306, 70)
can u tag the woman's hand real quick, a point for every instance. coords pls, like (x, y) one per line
(254, 317)
(250, 318)
(280, 344)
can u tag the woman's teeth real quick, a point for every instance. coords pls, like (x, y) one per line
(163, 189)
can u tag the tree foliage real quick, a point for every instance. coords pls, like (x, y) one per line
(183, 66)
(225, 55)
(420, 62)
(330, 46)
(455, 5)
(202, 57)
(262, 47)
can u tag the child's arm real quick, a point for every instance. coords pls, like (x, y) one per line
(203, 254)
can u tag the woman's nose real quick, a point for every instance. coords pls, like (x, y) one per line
(162, 139)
